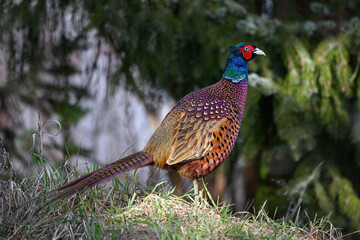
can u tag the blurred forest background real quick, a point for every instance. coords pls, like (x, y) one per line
(109, 70)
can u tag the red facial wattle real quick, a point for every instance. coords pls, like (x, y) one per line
(247, 51)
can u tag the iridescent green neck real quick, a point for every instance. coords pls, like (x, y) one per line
(235, 69)
(235, 75)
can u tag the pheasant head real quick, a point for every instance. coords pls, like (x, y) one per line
(236, 64)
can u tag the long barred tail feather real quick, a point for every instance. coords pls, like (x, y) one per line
(131, 162)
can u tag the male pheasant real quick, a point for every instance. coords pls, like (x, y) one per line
(195, 137)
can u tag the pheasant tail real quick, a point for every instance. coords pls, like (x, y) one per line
(131, 162)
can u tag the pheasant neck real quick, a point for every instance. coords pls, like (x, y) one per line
(236, 75)
(235, 70)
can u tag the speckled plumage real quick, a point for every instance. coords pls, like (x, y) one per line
(205, 126)
(225, 109)
(196, 136)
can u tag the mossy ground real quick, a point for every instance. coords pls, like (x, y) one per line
(126, 211)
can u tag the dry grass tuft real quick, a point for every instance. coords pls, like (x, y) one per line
(174, 213)
(201, 220)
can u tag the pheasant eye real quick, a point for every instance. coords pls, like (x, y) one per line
(247, 54)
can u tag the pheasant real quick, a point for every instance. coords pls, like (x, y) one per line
(195, 137)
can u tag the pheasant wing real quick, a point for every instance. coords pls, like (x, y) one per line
(194, 130)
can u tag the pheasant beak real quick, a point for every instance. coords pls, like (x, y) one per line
(259, 52)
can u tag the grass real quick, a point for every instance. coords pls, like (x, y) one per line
(126, 211)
